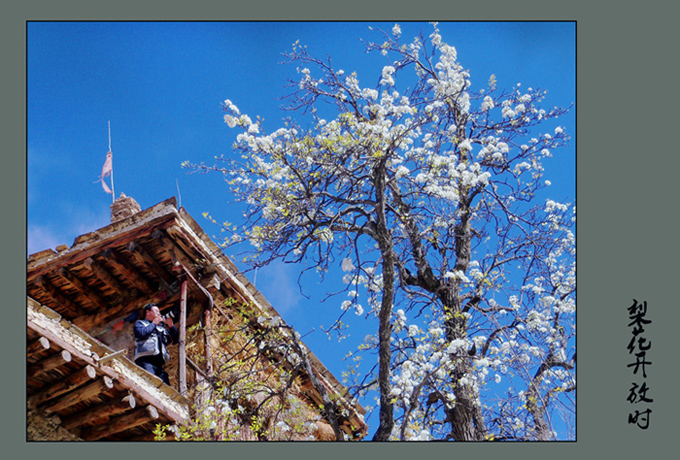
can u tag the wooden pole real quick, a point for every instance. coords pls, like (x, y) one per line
(89, 391)
(123, 422)
(49, 363)
(207, 323)
(182, 353)
(99, 411)
(37, 346)
(69, 383)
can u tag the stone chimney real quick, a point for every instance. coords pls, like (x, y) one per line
(123, 208)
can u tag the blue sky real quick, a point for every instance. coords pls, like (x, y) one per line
(161, 84)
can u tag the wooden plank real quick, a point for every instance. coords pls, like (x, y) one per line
(57, 296)
(181, 239)
(39, 345)
(114, 235)
(144, 258)
(79, 395)
(101, 273)
(128, 271)
(175, 251)
(121, 423)
(207, 323)
(87, 322)
(181, 353)
(49, 363)
(106, 409)
(41, 255)
(63, 386)
(81, 287)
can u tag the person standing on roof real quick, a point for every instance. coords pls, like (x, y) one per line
(152, 336)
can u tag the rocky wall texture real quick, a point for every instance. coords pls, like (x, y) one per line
(123, 208)
(40, 428)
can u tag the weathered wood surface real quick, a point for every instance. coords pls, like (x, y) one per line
(82, 394)
(87, 322)
(49, 363)
(145, 259)
(49, 289)
(57, 389)
(106, 409)
(101, 273)
(182, 354)
(131, 274)
(114, 235)
(121, 423)
(37, 346)
(81, 287)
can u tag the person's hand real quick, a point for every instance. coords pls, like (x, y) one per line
(157, 320)
(168, 322)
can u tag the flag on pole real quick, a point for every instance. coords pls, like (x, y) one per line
(107, 170)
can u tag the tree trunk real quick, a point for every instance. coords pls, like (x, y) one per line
(467, 423)
(384, 239)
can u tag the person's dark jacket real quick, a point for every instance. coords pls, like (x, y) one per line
(152, 340)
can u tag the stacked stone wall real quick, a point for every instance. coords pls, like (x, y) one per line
(41, 428)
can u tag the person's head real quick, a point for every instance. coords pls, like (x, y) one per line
(151, 311)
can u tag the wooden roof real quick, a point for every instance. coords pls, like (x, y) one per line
(111, 273)
(96, 393)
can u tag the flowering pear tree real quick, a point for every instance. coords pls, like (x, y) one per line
(428, 192)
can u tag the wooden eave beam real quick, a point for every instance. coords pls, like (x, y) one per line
(37, 346)
(125, 372)
(96, 248)
(101, 273)
(49, 289)
(128, 271)
(144, 258)
(106, 409)
(176, 253)
(90, 390)
(81, 287)
(65, 385)
(181, 239)
(121, 423)
(87, 322)
(49, 363)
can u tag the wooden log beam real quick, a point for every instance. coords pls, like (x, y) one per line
(69, 383)
(179, 268)
(181, 352)
(106, 409)
(81, 287)
(116, 239)
(79, 394)
(128, 271)
(101, 273)
(49, 363)
(87, 322)
(144, 258)
(57, 296)
(178, 254)
(211, 282)
(39, 345)
(197, 368)
(121, 423)
(181, 239)
(207, 323)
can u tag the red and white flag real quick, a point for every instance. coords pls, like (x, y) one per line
(107, 169)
